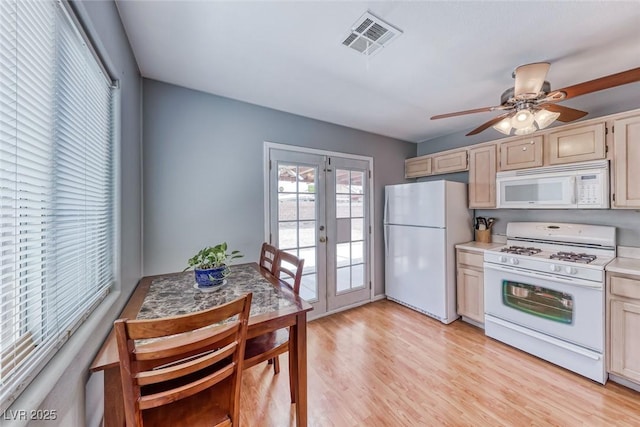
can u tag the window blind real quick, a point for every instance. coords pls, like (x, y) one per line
(56, 186)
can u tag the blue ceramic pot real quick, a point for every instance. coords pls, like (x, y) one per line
(211, 276)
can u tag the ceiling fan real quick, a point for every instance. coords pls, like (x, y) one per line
(531, 104)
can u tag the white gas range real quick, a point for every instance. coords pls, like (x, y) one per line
(544, 293)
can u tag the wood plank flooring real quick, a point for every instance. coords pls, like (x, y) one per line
(385, 365)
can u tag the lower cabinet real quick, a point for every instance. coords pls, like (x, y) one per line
(624, 326)
(470, 284)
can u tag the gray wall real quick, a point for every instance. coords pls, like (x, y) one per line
(203, 171)
(626, 221)
(65, 384)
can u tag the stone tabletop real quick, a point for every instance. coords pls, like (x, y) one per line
(178, 294)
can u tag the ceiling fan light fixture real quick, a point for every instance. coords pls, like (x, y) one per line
(522, 119)
(504, 126)
(544, 118)
(525, 131)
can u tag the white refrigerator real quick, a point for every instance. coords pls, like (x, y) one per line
(423, 222)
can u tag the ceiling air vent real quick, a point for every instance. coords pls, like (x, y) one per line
(369, 34)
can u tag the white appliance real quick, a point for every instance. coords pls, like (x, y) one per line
(544, 293)
(580, 185)
(422, 223)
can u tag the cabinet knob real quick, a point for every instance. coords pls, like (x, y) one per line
(524, 148)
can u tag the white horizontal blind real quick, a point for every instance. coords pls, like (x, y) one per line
(56, 186)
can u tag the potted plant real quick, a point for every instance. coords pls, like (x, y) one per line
(211, 264)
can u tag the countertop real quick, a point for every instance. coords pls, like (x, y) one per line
(624, 266)
(478, 246)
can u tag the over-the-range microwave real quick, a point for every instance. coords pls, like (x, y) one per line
(572, 186)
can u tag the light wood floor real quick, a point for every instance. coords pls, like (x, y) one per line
(385, 365)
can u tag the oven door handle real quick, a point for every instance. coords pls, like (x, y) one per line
(537, 275)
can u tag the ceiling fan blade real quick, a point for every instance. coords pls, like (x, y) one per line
(529, 79)
(488, 124)
(566, 114)
(606, 82)
(462, 113)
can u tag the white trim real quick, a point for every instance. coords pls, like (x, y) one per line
(379, 297)
(311, 317)
(625, 382)
(268, 145)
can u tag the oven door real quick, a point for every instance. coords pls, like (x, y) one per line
(566, 308)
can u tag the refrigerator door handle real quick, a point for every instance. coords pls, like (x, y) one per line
(386, 241)
(386, 207)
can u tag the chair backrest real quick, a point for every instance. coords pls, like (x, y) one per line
(291, 266)
(184, 356)
(268, 257)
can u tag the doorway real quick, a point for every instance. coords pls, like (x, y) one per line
(319, 209)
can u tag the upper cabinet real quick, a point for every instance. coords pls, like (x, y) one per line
(578, 144)
(521, 153)
(482, 177)
(450, 161)
(417, 166)
(434, 164)
(626, 158)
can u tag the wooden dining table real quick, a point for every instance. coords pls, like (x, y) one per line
(274, 306)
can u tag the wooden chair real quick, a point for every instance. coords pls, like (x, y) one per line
(190, 373)
(268, 256)
(267, 347)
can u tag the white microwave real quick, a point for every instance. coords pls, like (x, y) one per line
(574, 186)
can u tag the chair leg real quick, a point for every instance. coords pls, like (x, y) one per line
(276, 365)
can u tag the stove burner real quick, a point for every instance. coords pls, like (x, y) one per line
(521, 250)
(573, 257)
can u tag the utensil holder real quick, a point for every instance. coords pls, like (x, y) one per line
(483, 236)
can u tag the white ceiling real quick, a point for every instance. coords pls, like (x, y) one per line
(452, 56)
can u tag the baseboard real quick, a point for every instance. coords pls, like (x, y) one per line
(625, 382)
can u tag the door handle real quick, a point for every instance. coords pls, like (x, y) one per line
(323, 239)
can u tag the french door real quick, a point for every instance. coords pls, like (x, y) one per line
(319, 211)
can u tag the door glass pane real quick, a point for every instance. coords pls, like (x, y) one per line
(357, 276)
(287, 209)
(357, 252)
(306, 206)
(307, 179)
(307, 233)
(288, 234)
(343, 254)
(356, 206)
(309, 283)
(342, 206)
(287, 182)
(356, 228)
(356, 182)
(343, 181)
(343, 279)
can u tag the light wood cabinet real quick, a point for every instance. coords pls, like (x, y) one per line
(521, 153)
(470, 284)
(447, 162)
(626, 158)
(482, 177)
(417, 167)
(624, 324)
(578, 144)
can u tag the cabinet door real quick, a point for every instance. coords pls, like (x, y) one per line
(626, 158)
(450, 162)
(417, 166)
(577, 145)
(521, 154)
(470, 289)
(625, 339)
(482, 177)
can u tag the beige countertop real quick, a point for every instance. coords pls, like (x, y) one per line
(624, 266)
(478, 246)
